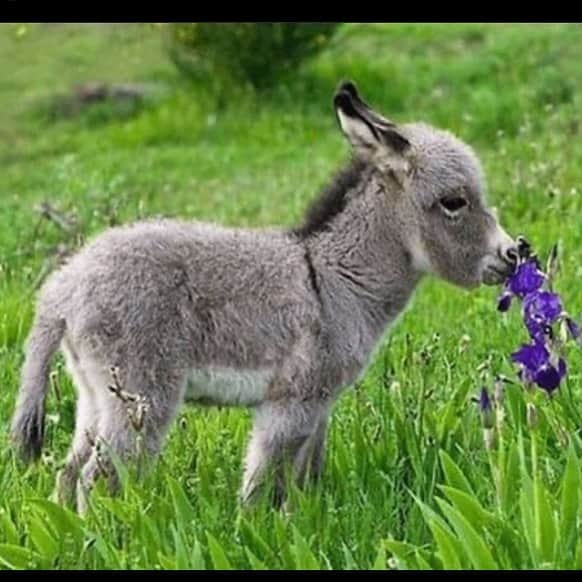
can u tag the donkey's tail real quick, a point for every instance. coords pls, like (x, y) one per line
(27, 429)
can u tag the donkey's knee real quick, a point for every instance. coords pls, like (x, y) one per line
(127, 440)
(98, 466)
(311, 461)
(66, 482)
(280, 440)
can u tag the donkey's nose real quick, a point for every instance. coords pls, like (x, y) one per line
(509, 254)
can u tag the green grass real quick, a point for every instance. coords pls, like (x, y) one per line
(408, 482)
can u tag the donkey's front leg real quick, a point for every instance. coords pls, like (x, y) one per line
(284, 432)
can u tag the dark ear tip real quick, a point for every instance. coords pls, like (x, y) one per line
(343, 100)
(349, 86)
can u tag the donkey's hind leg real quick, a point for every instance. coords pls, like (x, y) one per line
(86, 416)
(129, 428)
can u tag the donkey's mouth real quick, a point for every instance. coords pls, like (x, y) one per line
(493, 275)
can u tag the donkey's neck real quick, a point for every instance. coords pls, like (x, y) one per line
(361, 263)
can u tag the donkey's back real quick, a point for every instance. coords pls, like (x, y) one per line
(203, 290)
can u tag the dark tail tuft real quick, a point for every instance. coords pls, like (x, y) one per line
(27, 429)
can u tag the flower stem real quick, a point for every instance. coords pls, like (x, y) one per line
(538, 526)
(496, 476)
(500, 459)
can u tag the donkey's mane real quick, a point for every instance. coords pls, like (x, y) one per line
(331, 200)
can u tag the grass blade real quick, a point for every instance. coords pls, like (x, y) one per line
(217, 555)
(9, 529)
(404, 553)
(468, 506)
(304, 557)
(569, 503)
(449, 548)
(545, 524)
(453, 474)
(476, 547)
(17, 558)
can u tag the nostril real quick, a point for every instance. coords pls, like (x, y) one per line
(511, 255)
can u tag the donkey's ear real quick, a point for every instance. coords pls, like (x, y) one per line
(360, 133)
(349, 87)
(364, 128)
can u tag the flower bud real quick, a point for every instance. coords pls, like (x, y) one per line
(564, 332)
(574, 330)
(489, 438)
(395, 389)
(464, 343)
(486, 409)
(499, 393)
(532, 416)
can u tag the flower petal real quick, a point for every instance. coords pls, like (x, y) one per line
(527, 278)
(542, 305)
(532, 357)
(547, 378)
(536, 329)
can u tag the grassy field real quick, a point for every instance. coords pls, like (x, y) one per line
(409, 483)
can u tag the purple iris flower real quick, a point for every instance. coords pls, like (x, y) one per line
(531, 357)
(540, 310)
(544, 305)
(537, 366)
(527, 278)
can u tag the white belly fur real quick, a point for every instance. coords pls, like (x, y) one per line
(228, 386)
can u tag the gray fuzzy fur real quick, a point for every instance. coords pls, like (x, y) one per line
(274, 319)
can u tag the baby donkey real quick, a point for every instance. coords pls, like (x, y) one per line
(278, 320)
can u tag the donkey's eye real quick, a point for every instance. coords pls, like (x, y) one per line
(453, 203)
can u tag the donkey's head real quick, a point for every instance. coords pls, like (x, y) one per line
(436, 190)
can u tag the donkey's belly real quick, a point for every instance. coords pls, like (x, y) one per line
(227, 386)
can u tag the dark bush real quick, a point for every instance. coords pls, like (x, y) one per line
(242, 52)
